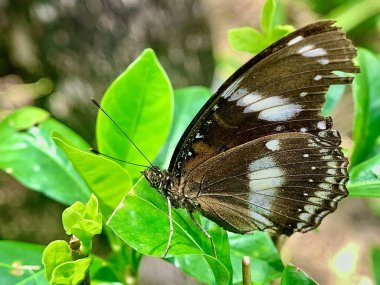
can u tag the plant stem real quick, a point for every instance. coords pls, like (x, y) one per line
(246, 270)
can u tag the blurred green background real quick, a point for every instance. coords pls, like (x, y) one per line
(56, 55)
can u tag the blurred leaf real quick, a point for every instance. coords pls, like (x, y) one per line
(247, 39)
(366, 88)
(83, 221)
(107, 179)
(142, 221)
(265, 258)
(267, 15)
(281, 31)
(140, 100)
(56, 253)
(333, 96)
(250, 40)
(20, 263)
(295, 276)
(365, 178)
(375, 258)
(31, 156)
(187, 102)
(71, 272)
(352, 13)
(30, 117)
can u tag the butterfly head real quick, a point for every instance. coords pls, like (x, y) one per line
(158, 179)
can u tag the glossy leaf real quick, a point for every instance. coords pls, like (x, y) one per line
(20, 263)
(366, 88)
(187, 102)
(375, 258)
(46, 168)
(142, 221)
(83, 221)
(56, 253)
(295, 276)
(265, 258)
(365, 178)
(140, 100)
(100, 175)
(71, 272)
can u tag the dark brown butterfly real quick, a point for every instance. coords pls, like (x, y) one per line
(260, 155)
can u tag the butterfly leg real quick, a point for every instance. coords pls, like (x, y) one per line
(171, 228)
(205, 233)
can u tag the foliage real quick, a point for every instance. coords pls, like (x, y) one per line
(133, 216)
(251, 40)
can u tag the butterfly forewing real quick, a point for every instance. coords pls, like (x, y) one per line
(260, 154)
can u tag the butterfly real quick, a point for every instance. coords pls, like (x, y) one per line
(260, 155)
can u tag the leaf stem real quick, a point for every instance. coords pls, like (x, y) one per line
(246, 270)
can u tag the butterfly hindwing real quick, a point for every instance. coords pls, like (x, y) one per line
(282, 183)
(260, 154)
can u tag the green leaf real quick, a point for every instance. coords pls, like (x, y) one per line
(83, 221)
(107, 179)
(46, 168)
(280, 31)
(247, 39)
(267, 16)
(70, 273)
(30, 117)
(365, 178)
(187, 102)
(142, 221)
(333, 96)
(295, 276)
(367, 107)
(140, 100)
(20, 262)
(375, 258)
(56, 253)
(265, 258)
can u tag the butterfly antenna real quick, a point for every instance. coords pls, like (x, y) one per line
(95, 151)
(124, 133)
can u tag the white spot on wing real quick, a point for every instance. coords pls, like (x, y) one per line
(305, 48)
(280, 113)
(280, 128)
(303, 130)
(273, 145)
(261, 163)
(321, 125)
(303, 94)
(305, 155)
(271, 173)
(314, 52)
(295, 40)
(266, 104)
(249, 99)
(323, 61)
(318, 77)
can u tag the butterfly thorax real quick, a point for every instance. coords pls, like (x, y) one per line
(162, 180)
